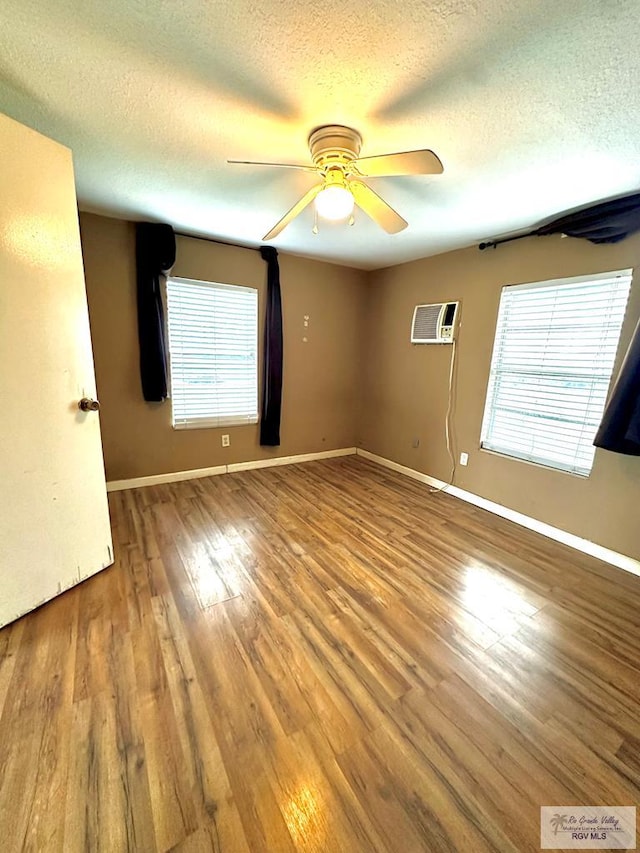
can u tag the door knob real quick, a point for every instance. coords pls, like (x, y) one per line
(88, 405)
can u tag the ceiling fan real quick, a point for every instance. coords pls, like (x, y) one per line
(335, 154)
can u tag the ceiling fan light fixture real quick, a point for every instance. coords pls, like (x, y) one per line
(334, 202)
(342, 175)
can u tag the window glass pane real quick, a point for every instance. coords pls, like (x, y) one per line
(553, 356)
(213, 344)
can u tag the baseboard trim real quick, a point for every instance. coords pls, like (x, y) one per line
(290, 460)
(158, 479)
(197, 473)
(621, 561)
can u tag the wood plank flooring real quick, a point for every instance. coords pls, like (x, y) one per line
(319, 657)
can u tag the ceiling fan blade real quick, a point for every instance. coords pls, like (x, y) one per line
(297, 208)
(378, 209)
(279, 165)
(422, 162)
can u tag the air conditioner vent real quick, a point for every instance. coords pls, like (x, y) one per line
(434, 324)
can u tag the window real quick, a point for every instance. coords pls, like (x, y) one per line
(552, 361)
(213, 343)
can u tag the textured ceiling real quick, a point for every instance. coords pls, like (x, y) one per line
(533, 108)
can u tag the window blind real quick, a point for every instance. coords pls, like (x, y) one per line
(553, 357)
(213, 344)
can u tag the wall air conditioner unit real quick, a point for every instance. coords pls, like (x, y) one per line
(434, 324)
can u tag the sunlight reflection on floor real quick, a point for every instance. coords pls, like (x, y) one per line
(491, 597)
(302, 814)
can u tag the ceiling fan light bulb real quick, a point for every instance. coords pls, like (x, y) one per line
(334, 203)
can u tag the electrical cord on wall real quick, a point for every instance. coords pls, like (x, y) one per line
(447, 423)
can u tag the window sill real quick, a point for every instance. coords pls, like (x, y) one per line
(544, 467)
(219, 423)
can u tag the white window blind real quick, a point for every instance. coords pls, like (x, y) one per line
(213, 343)
(552, 361)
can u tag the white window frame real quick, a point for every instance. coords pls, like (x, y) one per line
(182, 296)
(540, 408)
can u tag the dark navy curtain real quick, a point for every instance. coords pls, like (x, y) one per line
(620, 427)
(155, 255)
(272, 379)
(606, 222)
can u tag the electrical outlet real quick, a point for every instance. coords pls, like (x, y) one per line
(464, 458)
(225, 441)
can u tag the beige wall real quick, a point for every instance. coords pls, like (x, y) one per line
(321, 377)
(358, 379)
(405, 386)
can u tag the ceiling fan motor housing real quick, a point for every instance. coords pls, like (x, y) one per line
(333, 144)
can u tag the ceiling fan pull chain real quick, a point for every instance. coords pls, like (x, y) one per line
(314, 230)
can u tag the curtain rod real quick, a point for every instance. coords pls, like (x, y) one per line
(492, 244)
(213, 240)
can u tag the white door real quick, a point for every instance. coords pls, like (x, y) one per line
(54, 519)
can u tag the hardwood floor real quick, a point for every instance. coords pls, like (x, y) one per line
(320, 657)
